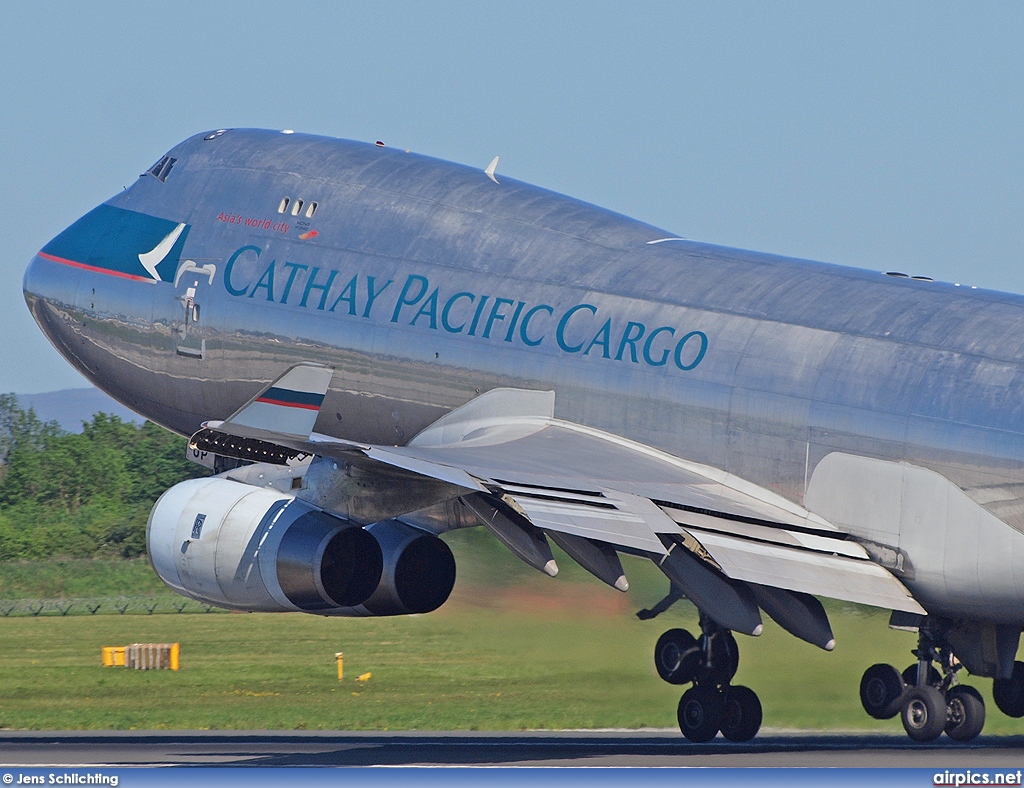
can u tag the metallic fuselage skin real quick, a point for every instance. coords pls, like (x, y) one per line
(414, 279)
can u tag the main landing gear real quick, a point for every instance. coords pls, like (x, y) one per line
(928, 702)
(712, 704)
(1009, 693)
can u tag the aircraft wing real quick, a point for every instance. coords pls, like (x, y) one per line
(571, 479)
(521, 469)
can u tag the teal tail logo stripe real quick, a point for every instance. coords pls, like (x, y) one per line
(291, 399)
(121, 243)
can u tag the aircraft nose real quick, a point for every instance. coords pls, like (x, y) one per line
(109, 241)
(29, 282)
(32, 284)
(49, 291)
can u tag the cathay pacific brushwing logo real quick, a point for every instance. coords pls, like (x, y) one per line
(151, 259)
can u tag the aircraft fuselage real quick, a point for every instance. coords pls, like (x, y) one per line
(424, 283)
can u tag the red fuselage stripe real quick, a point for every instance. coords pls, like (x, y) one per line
(288, 404)
(85, 267)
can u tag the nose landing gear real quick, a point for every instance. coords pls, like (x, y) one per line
(712, 704)
(928, 702)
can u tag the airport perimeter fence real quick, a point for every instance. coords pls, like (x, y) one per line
(98, 606)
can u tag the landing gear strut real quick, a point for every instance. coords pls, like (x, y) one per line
(712, 704)
(928, 702)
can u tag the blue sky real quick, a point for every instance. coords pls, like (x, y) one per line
(883, 135)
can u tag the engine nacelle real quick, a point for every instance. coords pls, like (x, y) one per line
(253, 548)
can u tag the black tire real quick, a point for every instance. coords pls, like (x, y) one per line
(1009, 693)
(923, 713)
(742, 717)
(881, 691)
(677, 656)
(725, 659)
(910, 676)
(965, 713)
(700, 713)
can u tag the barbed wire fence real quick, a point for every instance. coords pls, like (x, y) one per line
(104, 605)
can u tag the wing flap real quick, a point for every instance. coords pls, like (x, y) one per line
(827, 542)
(807, 571)
(616, 522)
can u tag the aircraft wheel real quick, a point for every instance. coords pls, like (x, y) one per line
(742, 717)
(700, 713)
(924, 713)
(910, 676)
(965, 713)
(1009, 693)
(677, 656)
(881, 690)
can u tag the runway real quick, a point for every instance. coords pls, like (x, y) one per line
(562, 748)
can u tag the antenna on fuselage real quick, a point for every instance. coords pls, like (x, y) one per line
(489, 172)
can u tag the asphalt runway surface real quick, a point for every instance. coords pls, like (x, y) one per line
(561, 748)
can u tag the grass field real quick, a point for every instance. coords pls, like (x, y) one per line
(528, 656)
(511, 650)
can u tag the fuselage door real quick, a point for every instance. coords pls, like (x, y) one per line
(191, 287)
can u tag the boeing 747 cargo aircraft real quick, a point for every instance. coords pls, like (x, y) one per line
(372, 347)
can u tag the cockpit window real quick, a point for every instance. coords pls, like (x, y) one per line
(162, 168)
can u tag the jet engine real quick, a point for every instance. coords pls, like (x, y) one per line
(243, 547)
(253, 548)
(418, 576)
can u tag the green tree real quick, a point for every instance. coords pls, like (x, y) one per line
(86, 494)
(21, 427)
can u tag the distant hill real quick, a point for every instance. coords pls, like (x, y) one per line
(70, 407)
